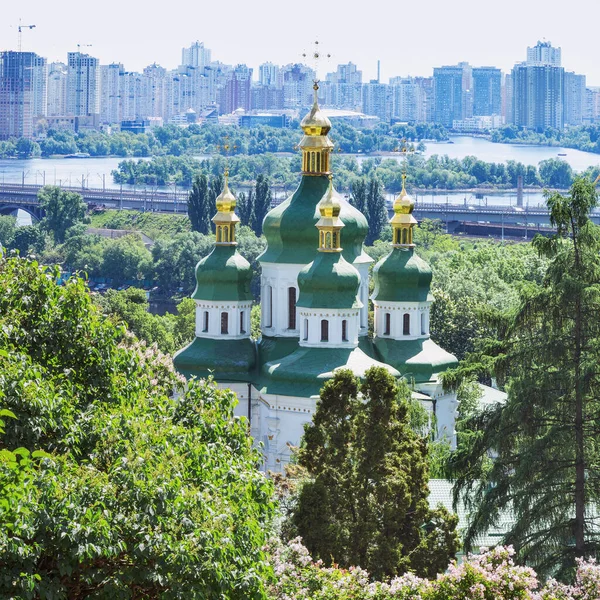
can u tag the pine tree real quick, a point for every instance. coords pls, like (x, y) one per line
(199, 206)
(375, 210)
(546, 461)
(365, 502)
(245, 207)
(262, 202)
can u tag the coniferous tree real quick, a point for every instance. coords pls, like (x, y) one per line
(376, 212)
(262, 202)
(199, 206)
(358, 199)
(546, 462)
(245, 207)
(366, 500)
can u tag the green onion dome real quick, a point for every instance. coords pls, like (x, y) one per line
(402, 276)
(328, 282)
(289, 227)
(223, 275)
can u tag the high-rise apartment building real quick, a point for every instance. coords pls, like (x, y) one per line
(83, 85)
(450, 94)
(543, 53)
(268, 74)
(375, 99)
(297, 83)
(153, 103)
(195, 56)
(236, 91)
(538, 96)
(110, 93)
(487, 91)
(411, 98)
(57, 89)
(343, 88)
(23, 92)
(575, 98)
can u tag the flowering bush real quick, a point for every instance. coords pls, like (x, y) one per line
(492, 575)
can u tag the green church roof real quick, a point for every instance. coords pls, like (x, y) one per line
(402, 276)
(420, 360)
(290, 227)
(223, 275)
(304, 372)
(226, 360)
(328, 282)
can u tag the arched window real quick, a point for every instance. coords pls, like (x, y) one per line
(344, 330)
(406, 324)
(335, 242)
(387, 328)
(242, 326)
(268, 306)
(305, 329)
(327, 239)
(219, 233)
(292, 308)
(205, 323)
(324, 330)
(423, 323)
(404, 238)
(318, 162)
(224, 323)
(225, 234)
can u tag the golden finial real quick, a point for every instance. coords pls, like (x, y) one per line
(330, 224)
(225, 220)
(403, 221)
(317, 56)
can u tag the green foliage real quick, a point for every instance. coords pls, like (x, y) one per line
(199, 208)
(544, 439)
(262, 203)
(8, 225)
(62, 211)
(126, 258)
(365, 500)
(154, 225)
(141, 495)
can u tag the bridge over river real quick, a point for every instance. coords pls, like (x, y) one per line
(16, 196)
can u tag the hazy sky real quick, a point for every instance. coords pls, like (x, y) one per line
(409, 37)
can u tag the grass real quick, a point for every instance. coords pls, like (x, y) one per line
(154, 225)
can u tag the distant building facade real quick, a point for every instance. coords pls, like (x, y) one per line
(83, 85)
(487, 91)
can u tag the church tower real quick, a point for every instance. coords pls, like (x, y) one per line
(223, 303)
(402, 299)
(289, 230)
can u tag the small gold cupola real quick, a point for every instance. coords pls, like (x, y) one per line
(225, 220)
(316, 146)
(330, 224)
(403, 221)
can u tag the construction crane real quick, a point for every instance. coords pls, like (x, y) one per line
(21, 27)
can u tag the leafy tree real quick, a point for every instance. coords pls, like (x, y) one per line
(131, 307)
(136, 494)
(376, 212)
(126, 259)
(199, 207)
(365, 502)
(63, 210)
(8, 225)
(556, 173)
(262, 203)
(28, 239)
(544, 439)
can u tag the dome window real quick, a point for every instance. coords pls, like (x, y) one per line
(205, 324)
(242, 327)
(344, 330)
(292, 308)
(388, 324)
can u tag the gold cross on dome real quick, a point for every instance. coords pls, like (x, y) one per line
(224, 149)
(405, 149)
(316, 56)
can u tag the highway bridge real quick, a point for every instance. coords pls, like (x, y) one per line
(16, 196)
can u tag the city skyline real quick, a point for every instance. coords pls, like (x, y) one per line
(261, 33)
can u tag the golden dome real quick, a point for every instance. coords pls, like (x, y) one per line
(226, 200)
(404, 204)
(315, 123)
(330, 207)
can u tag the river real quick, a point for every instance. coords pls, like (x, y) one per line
(96, 172)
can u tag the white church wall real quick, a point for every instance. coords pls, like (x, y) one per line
(209, 319)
